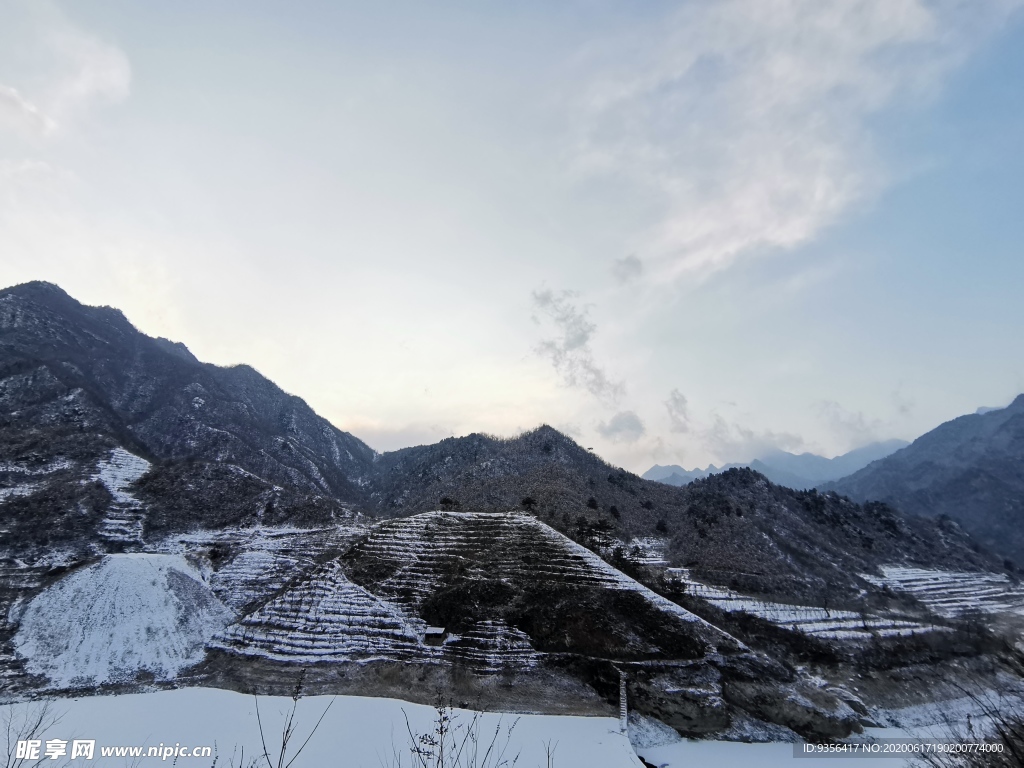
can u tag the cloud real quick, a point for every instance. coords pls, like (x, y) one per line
(627, 269)
(750, 119)
(732, 442)
(570, 352)
(852, 427)
(624, 426)
(20, 114)
(68, 71)
(678, 412)
(90, 71)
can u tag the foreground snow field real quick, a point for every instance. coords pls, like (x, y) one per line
(360, 732)
(357, 732)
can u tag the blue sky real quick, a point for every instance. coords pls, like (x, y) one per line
(682, 232)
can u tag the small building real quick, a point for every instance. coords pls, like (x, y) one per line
(434, 635)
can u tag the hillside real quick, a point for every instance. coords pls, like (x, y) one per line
(733, 528)
(80, 379)
(970, 469)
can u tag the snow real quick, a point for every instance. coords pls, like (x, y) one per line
(55, 465)
(124, 521)
(119, 471)
(357, 732)
(953, 593)
(324, 618)
(811, 620)
(268, 558)
(125, 614)
(493, 646)
(25, 489)
(651, 549)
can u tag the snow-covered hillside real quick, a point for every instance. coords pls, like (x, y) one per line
(419, 546)
(261, 560)
(124, 615)
(324, 618)
(811, 620)
(953, 593)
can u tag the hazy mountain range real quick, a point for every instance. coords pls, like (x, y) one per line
(805, 470)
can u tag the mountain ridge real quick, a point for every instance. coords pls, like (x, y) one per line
(800, 471)
(970, 469)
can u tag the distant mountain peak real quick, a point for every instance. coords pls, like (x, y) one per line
(804, 470)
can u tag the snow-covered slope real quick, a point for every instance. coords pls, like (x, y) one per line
(954, 593)
(124, 520)
(810, 620)
(259, 561)
(124, 615)
(511, 546)
(324, 618)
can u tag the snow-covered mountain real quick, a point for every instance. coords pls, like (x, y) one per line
(167, 522)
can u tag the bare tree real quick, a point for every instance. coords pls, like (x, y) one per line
(1000, 724)
(454, 744)
(29, 723)
(287, 734)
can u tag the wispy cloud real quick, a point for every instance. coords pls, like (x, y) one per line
(750, 118)
(734, 442)
(19, 114)
(624, 426)
(71, 71)
(570, 352)
(627, 269)
(678, 412)
(712, 434)
(852, 427)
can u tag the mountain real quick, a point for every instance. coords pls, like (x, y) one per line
(970, 469)
(113, 439)
(805, 470)
(522, 573)
(80, 387)
(789, 542)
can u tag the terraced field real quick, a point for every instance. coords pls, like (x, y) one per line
(372, 603)
(419, 553)
(954, 593)
(262, 560)
(325, 618)
(810, 620)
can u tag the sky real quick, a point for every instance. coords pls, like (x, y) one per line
(680, 232)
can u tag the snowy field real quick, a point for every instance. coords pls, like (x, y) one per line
(360, 732)
(357, 732)
(733, 754)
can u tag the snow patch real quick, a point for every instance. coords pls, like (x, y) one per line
(126, 614)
